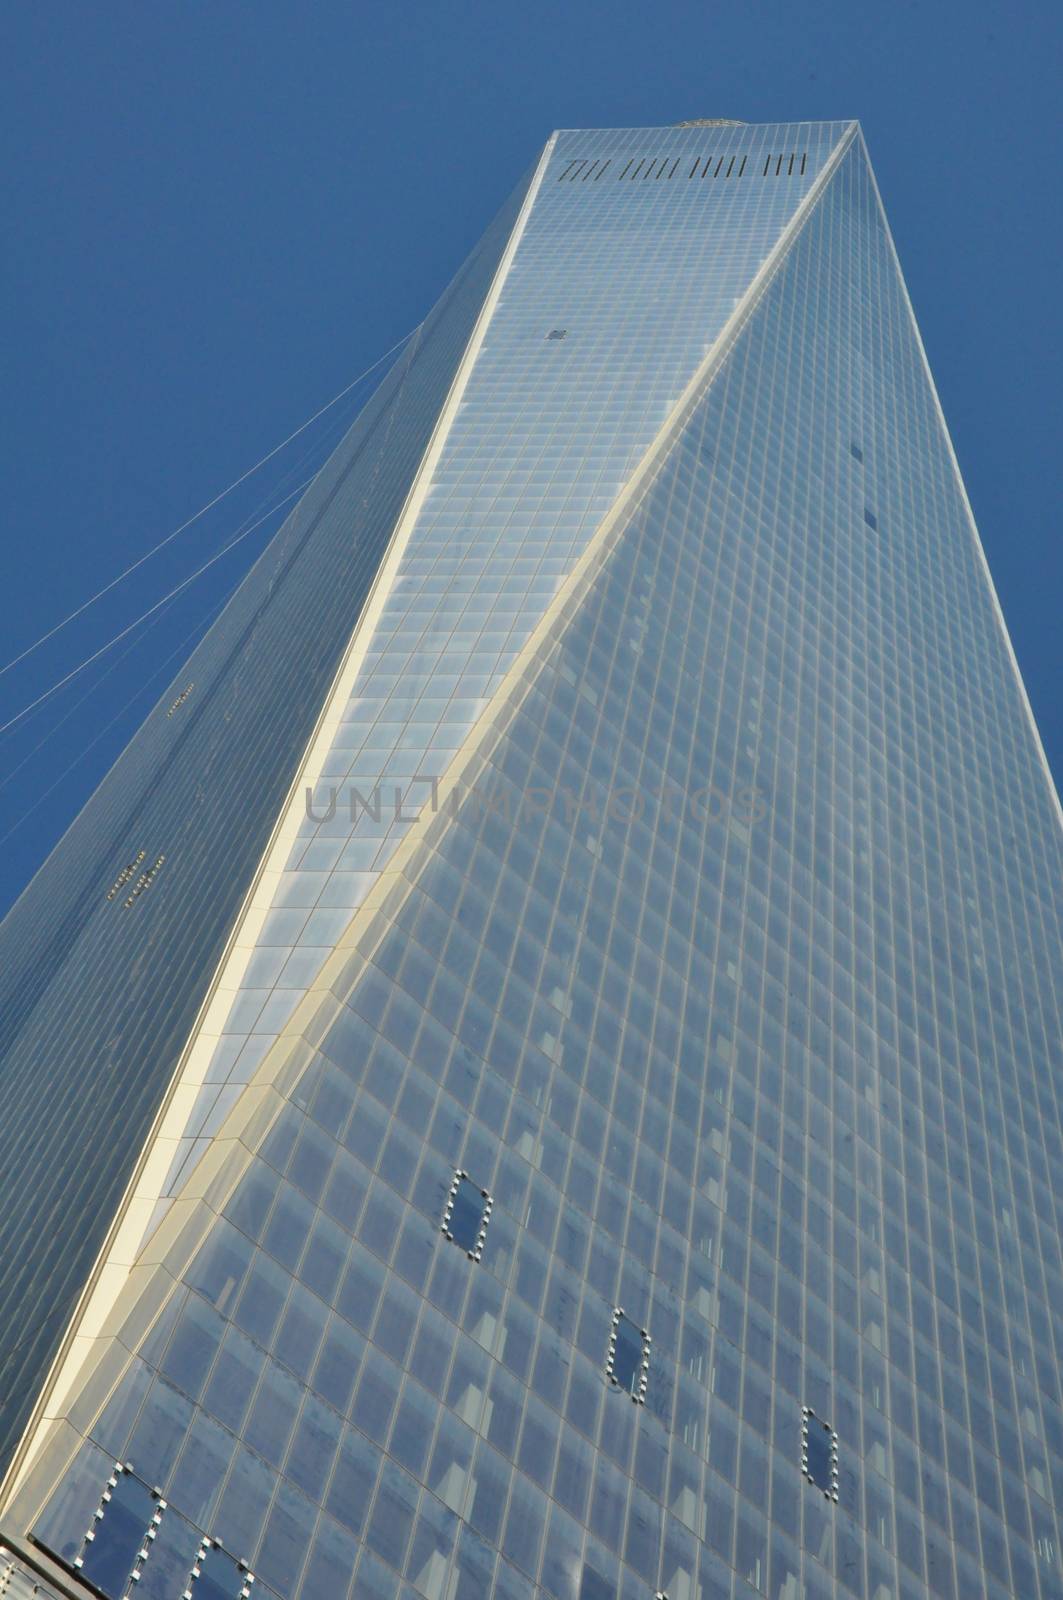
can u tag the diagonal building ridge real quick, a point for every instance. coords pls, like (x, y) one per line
(688, 1037)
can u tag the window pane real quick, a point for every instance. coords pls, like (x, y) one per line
(218, 1576)
(173, 1554)
(594, 1587)
(119, 1534)
(467, 1214)
(629, 1356)
(819, 1454)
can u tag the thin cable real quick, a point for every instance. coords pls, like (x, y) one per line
(322, 443)
(10, 723)
(204, 509)
(80, 701)
(200, 626)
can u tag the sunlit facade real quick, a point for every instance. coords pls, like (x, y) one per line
(553, 1024)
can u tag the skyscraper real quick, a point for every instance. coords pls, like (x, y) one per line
(538, 1071)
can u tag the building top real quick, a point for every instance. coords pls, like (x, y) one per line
(690, 123)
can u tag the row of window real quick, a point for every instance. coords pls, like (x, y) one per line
(145, 879)
(627, 1363)
(775, 166)
(125, 1526)
(126, 873)
(127, 1523)
(131, 1515)
(181, 698)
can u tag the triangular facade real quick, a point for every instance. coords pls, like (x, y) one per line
(687, 1042)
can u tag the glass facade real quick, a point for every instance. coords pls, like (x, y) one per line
(654, 1188)
(96, 997)
(537, 451)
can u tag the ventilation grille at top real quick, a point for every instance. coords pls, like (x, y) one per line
(787, 164)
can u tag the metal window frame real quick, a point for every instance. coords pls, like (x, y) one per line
(638, 1394)
(476, 1253)
(808, 1416)
(207, 1544)
(119, 1470)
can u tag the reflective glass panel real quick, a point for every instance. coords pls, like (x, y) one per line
(625, 1360)
(220, 1576)
(466, 1215)
(819, 1448)
(119, 1535)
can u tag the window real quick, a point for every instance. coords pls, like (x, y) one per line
(819, 1453)
(856, 452)
(594, 1587)
(123, 1529)
(125, 875)
(120, 1541)
(181, 698)
(142, 883)
(870, 518)
(467, 1214)
(628, 1362)
(216, 1576)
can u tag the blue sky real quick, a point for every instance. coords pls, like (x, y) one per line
(217, 214)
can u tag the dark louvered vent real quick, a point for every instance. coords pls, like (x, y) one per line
(785, 166)
(790, 164)
(719, 167)
(580, 171)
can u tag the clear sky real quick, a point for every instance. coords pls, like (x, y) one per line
(217, 214)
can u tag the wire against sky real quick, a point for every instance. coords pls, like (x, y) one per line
(263, 511)
(200, 627)
(93, 688)
(139, 562)
(60, 682)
